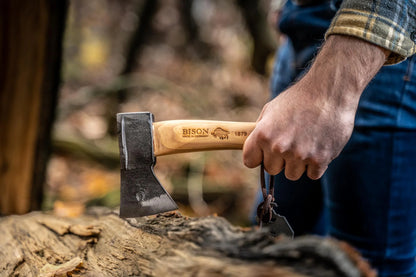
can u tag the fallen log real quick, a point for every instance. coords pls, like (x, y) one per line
(100, 243)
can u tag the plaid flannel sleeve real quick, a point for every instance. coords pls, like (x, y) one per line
(390, 24)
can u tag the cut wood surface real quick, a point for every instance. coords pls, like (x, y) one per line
(102, 244)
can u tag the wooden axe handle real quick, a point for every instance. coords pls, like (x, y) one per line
(179, 136)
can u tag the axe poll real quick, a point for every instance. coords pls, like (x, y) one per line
(141, 140)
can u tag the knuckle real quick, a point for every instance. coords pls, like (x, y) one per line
(318, 160)
(292, 176)
(248, 161)
(273, 166)
(294, 170)
(316, 173)
(295, 153)
(299, 155)
(251, 155)
(263, 137)
(273, 170)
(280, 146)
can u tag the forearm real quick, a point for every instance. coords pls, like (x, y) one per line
(343, 68)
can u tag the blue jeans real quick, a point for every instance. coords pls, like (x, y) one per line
(367, 196)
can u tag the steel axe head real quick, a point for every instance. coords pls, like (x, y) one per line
(141, 193)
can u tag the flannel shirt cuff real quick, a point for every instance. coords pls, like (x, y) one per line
(361, 21)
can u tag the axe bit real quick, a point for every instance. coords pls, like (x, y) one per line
(141, 140)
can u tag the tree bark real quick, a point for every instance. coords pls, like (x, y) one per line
(102, 244)
(30, 52)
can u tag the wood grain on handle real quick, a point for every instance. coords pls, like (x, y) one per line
(180, 136)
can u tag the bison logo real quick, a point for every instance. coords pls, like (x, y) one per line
(220, 133)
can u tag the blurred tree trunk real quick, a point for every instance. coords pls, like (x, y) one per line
(194, 45)
(256, 21)
(145, 12)
(31, 33)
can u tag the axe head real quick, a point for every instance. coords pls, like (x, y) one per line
(141, 193)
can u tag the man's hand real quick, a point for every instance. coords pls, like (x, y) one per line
(307, 126)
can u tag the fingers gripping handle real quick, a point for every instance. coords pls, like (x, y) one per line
(180, 136)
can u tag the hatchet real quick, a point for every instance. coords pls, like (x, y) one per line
(141, 140)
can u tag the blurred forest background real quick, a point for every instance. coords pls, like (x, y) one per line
(179, 59)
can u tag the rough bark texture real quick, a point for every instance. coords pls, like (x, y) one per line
(102, 244)
(30, 54)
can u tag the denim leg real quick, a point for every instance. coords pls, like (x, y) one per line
(301, 202)
(370, 188)
(284, 71)
(371, 198)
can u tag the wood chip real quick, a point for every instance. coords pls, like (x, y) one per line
(64, 269)
(58, 226)
(62, 228)
(85, 231)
